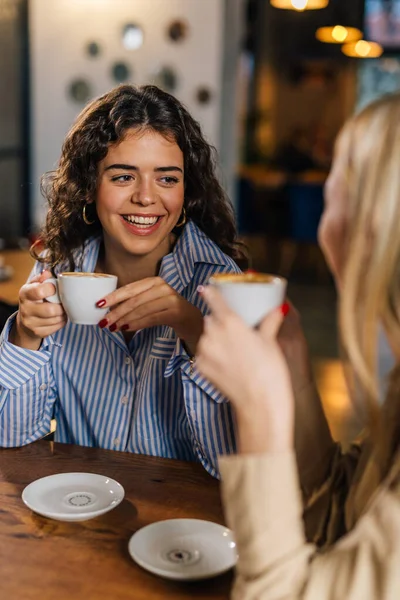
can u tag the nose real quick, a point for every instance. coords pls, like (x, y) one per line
(144, 194)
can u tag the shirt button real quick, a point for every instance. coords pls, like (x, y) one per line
(128, 360)
(43, 386)
(116, 442)
(124, 399)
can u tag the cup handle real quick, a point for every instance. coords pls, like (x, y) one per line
(55, 298)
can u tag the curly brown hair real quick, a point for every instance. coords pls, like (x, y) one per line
(105, 121)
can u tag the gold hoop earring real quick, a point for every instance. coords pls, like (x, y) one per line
(86, 220)
(183, 219)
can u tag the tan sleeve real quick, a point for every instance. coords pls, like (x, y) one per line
(262, 500)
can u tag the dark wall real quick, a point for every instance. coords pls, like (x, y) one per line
(14, 208)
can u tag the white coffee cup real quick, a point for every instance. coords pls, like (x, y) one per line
(251, 295)
(79, 292)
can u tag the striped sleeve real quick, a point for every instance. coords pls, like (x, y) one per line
(26, 412)
(27, 391)
(18, 365)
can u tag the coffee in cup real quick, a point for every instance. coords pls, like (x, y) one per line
(79, 293)
(251, 295)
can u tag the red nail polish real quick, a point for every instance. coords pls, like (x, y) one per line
(103, 323)
(101, 303)
(251, 271)
(125, 327)
(285, 308)
(113, 327)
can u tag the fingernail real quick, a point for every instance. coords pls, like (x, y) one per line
(103, 323)
(200, 289)
(285, 308)
(251, 271)
(113, 327)
(101, 303)
(125, 327)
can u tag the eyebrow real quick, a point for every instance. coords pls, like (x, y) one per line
(134, 168)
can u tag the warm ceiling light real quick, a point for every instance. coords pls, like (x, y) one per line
(300, 4)
(338, 34)
(362, 49)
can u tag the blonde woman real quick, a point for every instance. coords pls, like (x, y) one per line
(332, 532)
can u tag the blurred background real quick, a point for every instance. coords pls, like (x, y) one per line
(270, 81)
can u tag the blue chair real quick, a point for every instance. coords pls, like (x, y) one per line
(305, 206)
(305, 209)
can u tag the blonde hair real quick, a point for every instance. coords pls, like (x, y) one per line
(371, 279)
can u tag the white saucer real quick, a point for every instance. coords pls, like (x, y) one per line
(73, 496)
(184, 549)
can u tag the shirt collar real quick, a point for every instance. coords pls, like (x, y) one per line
(177, 268)
(192, 247)
(91, 254)
(86, 261)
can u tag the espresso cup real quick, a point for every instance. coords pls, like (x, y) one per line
(251, 295)
(79, 293)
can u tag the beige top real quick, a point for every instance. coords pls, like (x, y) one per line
(346, 543)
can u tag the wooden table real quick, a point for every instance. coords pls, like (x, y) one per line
(50, 560)
(22, 263)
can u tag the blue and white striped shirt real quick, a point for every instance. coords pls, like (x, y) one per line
(140, 397)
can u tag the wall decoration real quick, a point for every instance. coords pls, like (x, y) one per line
(166, 78)
(79, 90)
(203, 95)
(121, 72)
(93, 49)
(132, 36)
(178, 31)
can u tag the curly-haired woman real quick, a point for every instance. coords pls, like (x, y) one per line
(135, 194)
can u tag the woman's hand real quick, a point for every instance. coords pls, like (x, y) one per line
(151, 302)
(248, 367)
(36, 319)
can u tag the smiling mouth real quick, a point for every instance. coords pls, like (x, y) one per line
(141, 221)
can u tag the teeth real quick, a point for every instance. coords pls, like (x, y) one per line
(141, 220)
